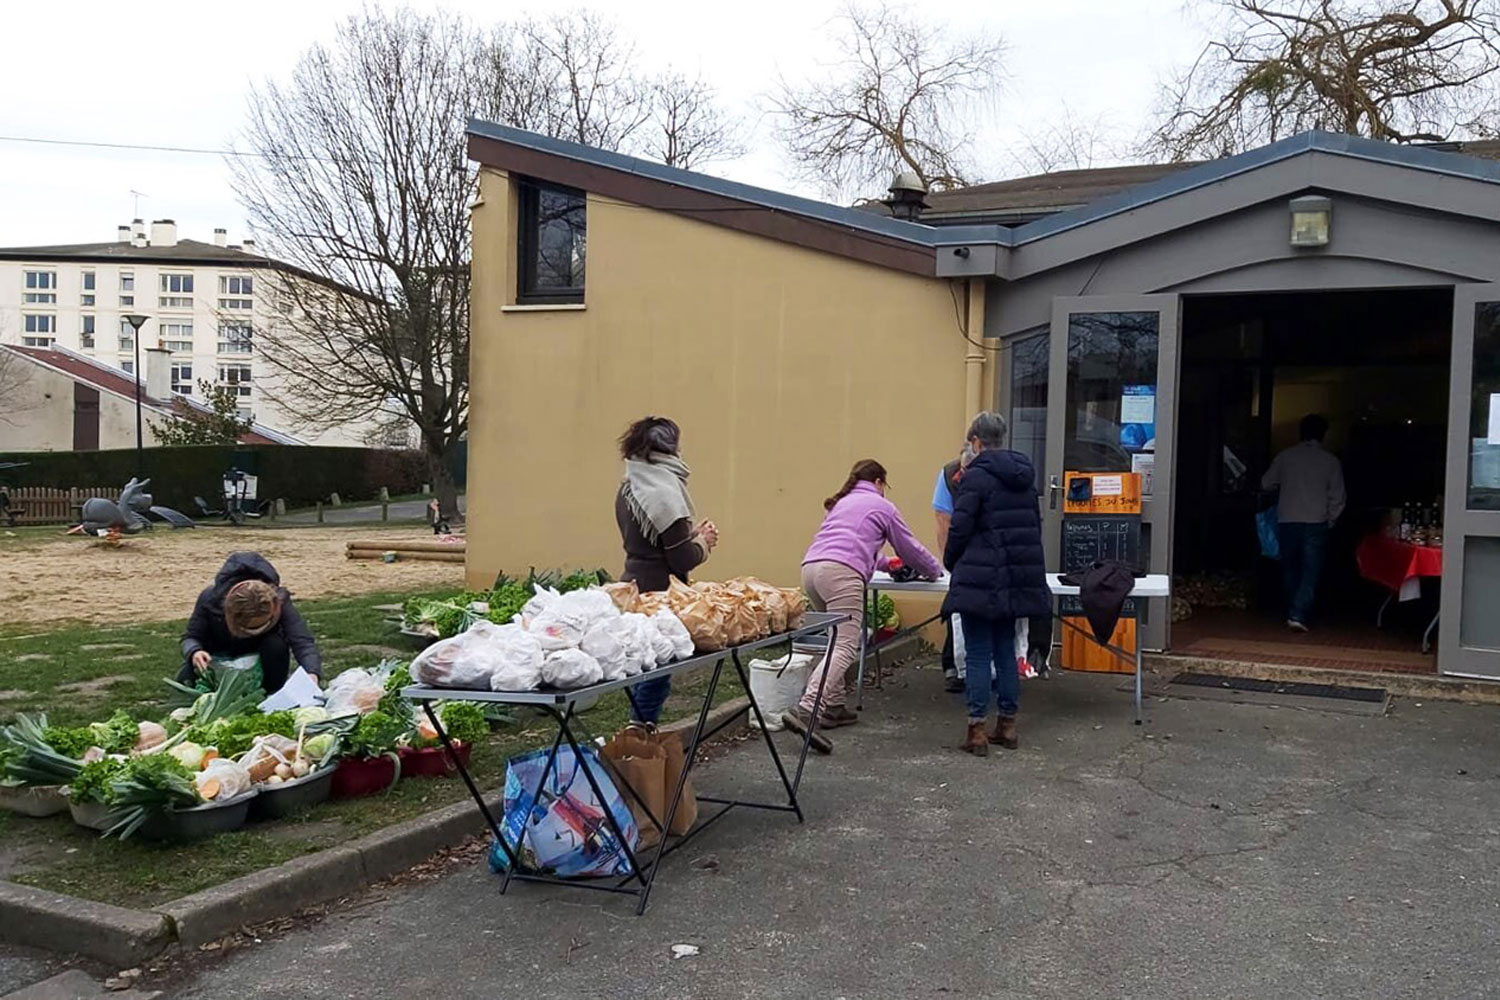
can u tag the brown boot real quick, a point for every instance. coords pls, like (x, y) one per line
(974, 742)
(1005, 732)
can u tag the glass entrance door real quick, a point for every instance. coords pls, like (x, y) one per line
(1469, 633)
(1111, 408)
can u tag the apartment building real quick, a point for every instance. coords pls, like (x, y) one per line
(205, 303)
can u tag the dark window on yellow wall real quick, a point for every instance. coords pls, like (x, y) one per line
(552, 244)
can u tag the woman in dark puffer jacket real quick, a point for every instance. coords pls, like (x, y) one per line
(998, 570)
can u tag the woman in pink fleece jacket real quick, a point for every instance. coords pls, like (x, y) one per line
(843, 556)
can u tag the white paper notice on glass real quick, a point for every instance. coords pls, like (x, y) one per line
(1494, 437)
(1109, 486)
(1143, 463)
(1138, 407)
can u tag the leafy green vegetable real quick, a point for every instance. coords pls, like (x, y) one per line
(318, 747)
(233, 736)
(881, 616)
(375, 734)
(507, 600)
(116, 735)
(72, 743)
(464, 721)
(29, 759)
(95, 782)
(148, 786)
(233, 692)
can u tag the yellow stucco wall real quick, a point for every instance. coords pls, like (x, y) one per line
(783, 366)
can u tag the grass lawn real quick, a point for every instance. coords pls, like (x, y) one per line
(81, 674)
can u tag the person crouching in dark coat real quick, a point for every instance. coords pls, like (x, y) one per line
(998, 574)
(246, 611)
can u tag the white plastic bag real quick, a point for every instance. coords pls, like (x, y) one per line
(564, 621)
(571, 668)
(640, 637)
(671, 627)
(233, 779)
(435, 666)
(537, 604)
(605, 643)
(518, 660)
(353, 692)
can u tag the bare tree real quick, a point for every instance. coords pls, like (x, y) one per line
(358, 179)
(570, 76)
(894, 102)
(15, 374)
(688, 128)
(221, 423)
(1066, 141)
(1401, 70)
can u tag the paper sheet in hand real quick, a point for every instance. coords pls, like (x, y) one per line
(299, 691)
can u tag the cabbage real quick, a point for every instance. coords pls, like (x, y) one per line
(317, 747)
(189, 755)
(308, 716)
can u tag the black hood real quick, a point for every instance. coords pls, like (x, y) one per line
(246, 566)
(1012, 468)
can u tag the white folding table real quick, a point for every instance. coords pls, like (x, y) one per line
(1151, 585)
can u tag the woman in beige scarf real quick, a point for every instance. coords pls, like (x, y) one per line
(656, 518)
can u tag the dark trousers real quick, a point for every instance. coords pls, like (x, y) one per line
(990, 665)
(275, 660)
(648, 697)
(1303, 549)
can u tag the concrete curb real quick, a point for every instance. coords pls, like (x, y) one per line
(125, 937)
(1433, 688)
(41, 919)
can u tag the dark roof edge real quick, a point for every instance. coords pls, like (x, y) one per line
(718, 196)
(227, 264)
(848, 232)
(1214, 171)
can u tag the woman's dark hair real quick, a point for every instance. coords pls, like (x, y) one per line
(650, 435)
(865, 471)
(1314, 427)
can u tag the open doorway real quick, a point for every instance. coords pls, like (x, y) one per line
(1375, 364)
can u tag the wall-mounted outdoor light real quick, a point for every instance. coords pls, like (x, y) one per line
(1312, 221)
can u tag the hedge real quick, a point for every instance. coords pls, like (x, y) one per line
(295, 473)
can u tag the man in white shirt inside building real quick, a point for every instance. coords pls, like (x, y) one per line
(1310, 482)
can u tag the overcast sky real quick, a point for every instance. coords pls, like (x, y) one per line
(173, 73)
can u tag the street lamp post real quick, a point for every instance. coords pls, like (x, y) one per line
(136, 321)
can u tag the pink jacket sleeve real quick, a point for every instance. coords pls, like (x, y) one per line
(911, 551)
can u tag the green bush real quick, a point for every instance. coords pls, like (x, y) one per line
(297, 474)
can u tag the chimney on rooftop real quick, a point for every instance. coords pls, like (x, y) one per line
(221, 237)
(137, 227)
(248, 246)
(908, 196)
(158, 381)
(122, 234)
(163, 233)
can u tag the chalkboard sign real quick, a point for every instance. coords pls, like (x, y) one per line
(1091, 538)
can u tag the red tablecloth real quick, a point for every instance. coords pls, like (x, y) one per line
(1391, 562)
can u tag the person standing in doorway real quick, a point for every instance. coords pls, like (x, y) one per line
(942, 511)
(1310, 482)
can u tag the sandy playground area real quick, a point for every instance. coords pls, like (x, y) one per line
(155, 576)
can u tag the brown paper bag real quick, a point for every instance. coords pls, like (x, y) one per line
(796, 606)
(675, 758)
(623, 594)
(705, 622)
(680, 595)
(639, 760)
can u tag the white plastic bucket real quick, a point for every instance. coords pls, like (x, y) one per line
(778, 685)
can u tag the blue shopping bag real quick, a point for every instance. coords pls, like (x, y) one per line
(561, 829)
(1265, 526)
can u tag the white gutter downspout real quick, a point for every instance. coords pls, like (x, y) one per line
(975, 358)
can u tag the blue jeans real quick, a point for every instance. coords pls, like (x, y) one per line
(647, 698)
(1303, 547)
(990, 643)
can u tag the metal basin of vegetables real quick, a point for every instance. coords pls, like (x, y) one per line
(34, 800)
(276, 801)
(200, 821)
(90, 815)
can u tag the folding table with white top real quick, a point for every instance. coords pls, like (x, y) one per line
(1151, 585)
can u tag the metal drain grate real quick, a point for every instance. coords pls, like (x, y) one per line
(1372, 695)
